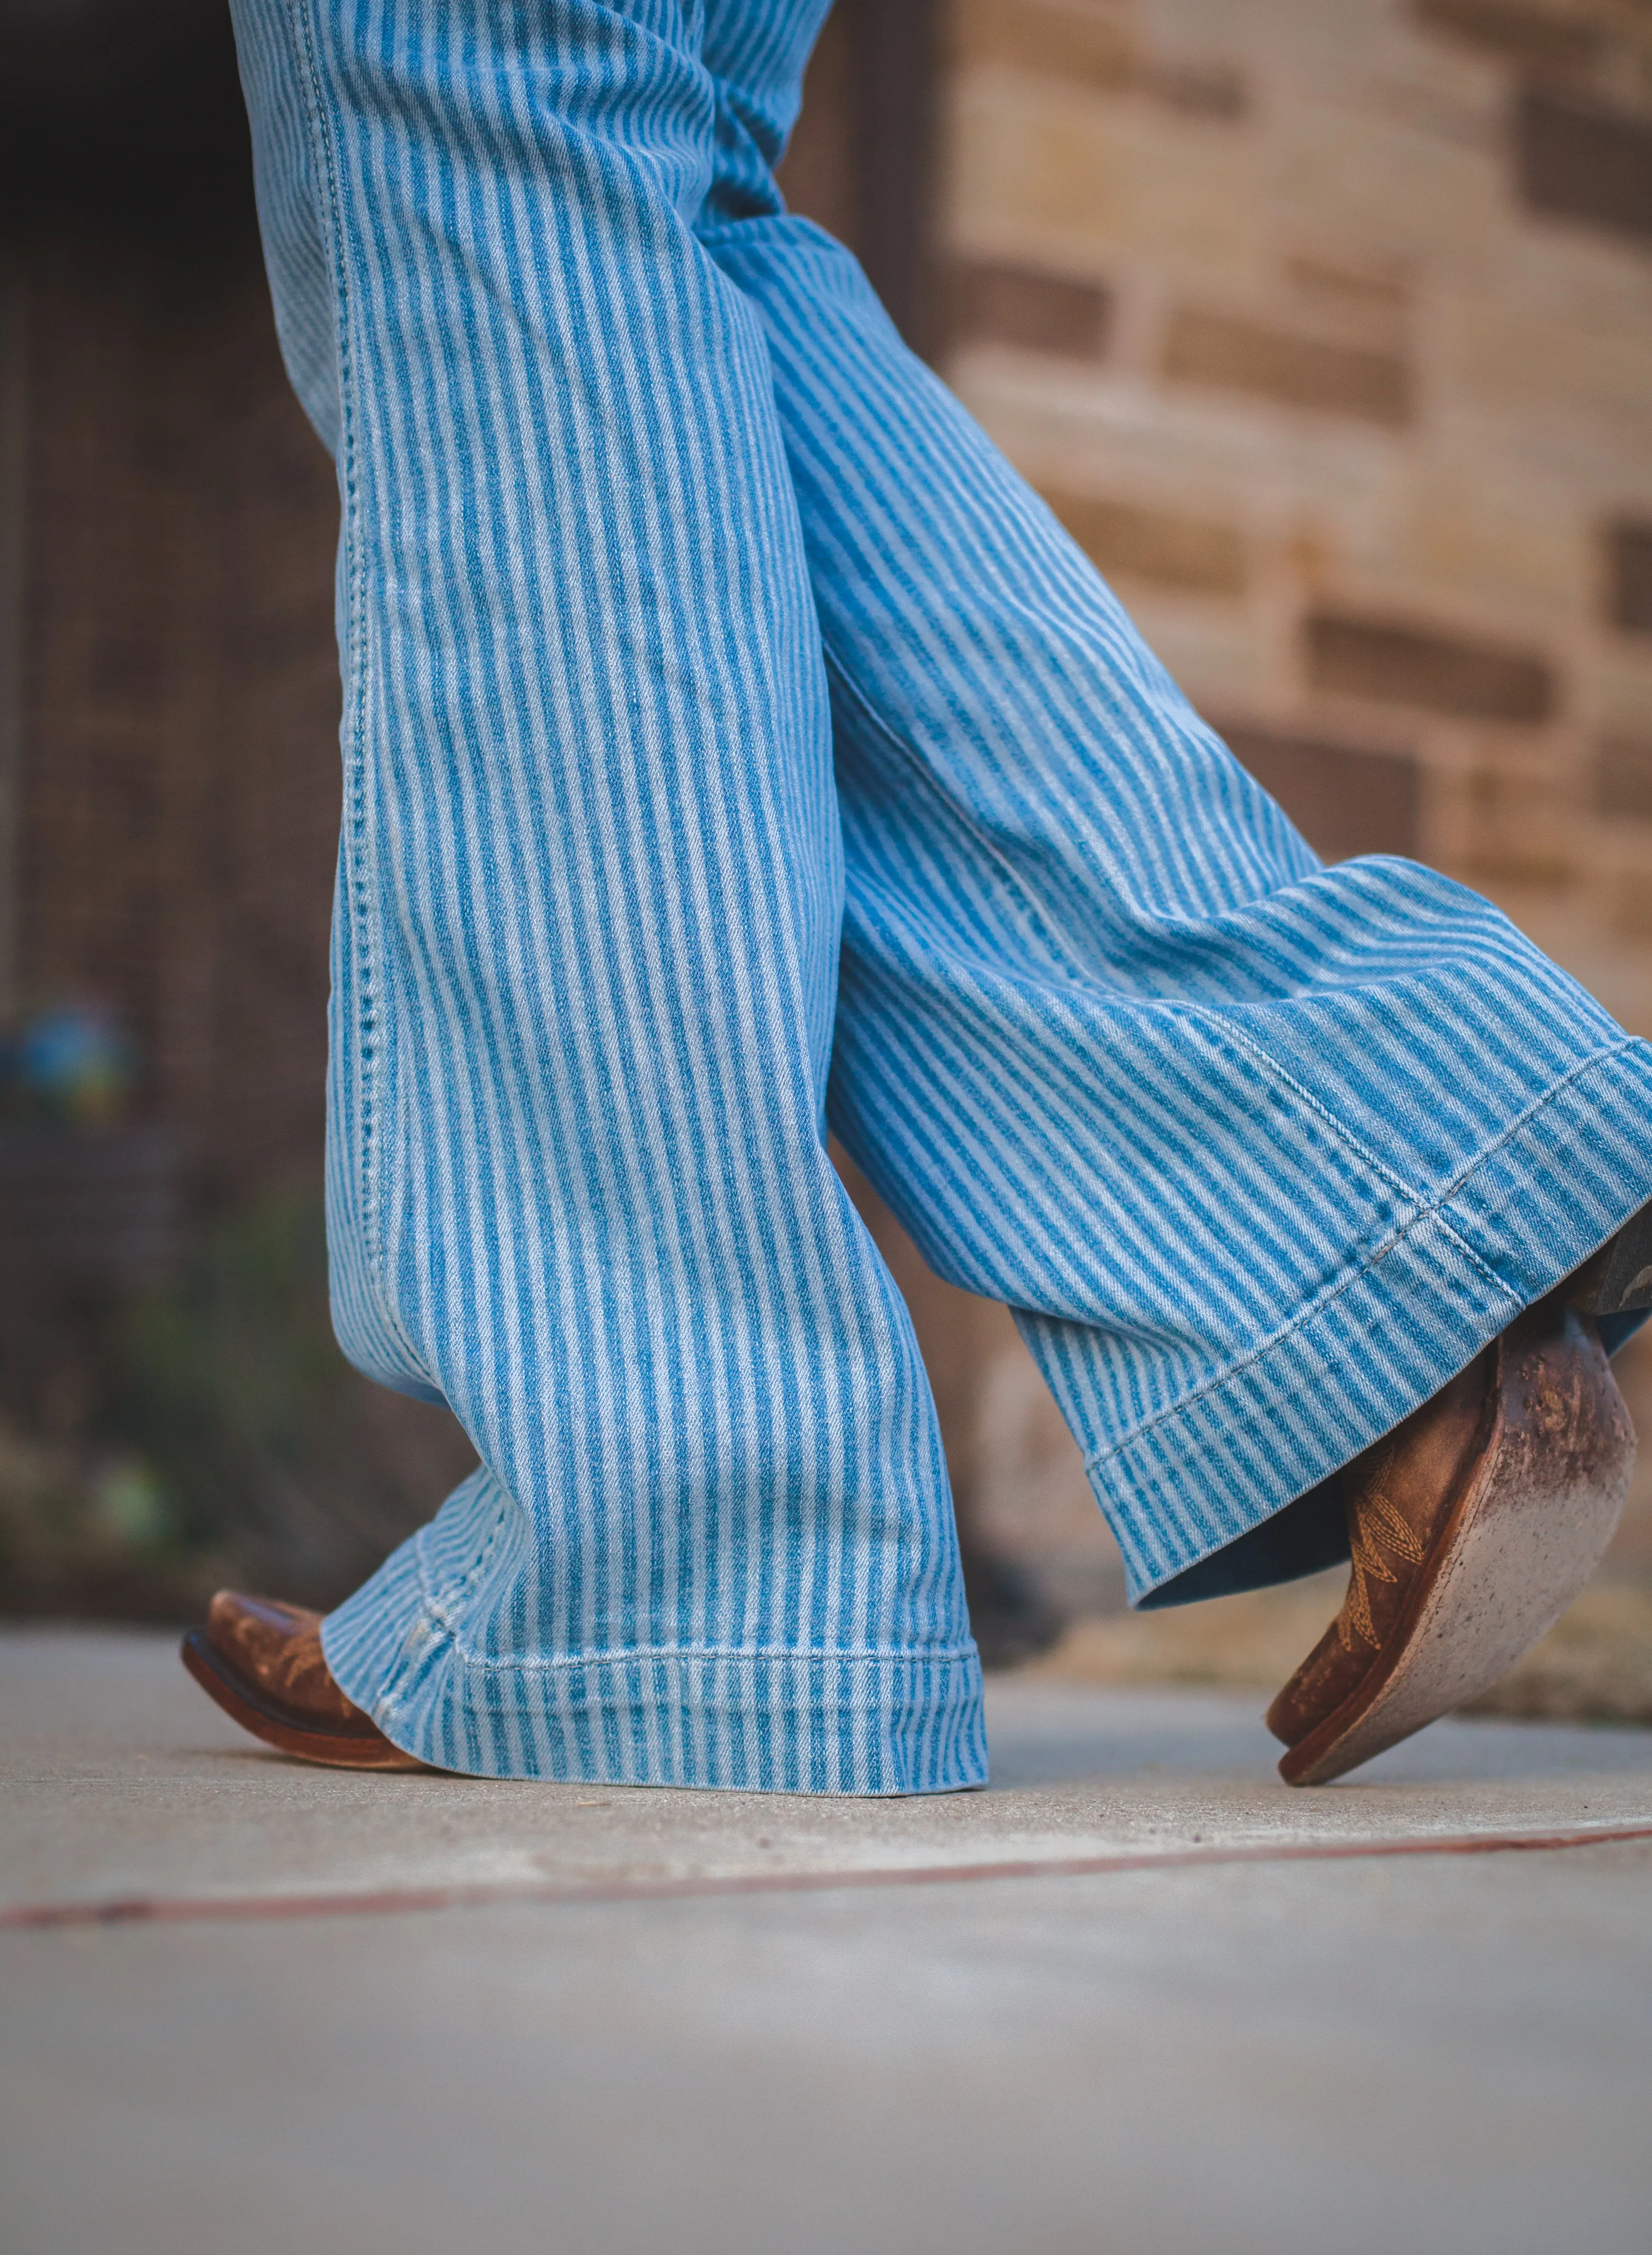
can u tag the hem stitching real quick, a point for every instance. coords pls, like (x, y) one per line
(1430, 1210)
(551, 1663)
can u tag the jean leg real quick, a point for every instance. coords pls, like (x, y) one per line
(587, 934)
(1260, 1152)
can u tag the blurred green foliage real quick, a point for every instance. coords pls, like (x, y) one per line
(231, 1385)
(215, 1433)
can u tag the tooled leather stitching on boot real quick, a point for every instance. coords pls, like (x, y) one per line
(1465, 1407)
(277, 1648)
(1368, 1564)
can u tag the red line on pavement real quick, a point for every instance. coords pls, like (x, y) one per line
(172, 1910)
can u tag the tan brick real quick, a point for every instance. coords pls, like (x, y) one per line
(1127, 541)
(1623, 778)
(1631, 914)
(1038, 164)
(1531, 867)
(1517, 541)
(1345, 800)
(1385, 188)
(1396, 662)
(1584, 162)
(1362, 303)
(1628, 559)
(1549, 360)
(1234, 354)
(1202, 89)
(1076, 45)
(994, 300)
(1540, 38)
(1615, 688)
(1212, 649)
(1520, 834)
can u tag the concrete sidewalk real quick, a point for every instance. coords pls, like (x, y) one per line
(1136, 1996)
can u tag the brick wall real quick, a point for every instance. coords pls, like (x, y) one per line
(168, 688)
(170, 723)
(179, 785)
(1325, 326)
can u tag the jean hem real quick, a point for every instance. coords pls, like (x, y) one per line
(831, 1724)
(1436, 1291)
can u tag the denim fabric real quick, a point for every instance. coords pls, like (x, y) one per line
(734, 742)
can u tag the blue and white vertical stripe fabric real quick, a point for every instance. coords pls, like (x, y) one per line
(732, 742)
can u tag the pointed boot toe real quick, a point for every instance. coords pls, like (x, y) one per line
(262, 1662)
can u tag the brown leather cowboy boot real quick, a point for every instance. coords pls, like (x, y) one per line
(1472, 1527)
(262, 1662)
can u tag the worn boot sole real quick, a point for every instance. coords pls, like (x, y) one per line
(1525, 1537)
(243, 1703)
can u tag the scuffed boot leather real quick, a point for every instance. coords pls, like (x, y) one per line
(1471, 1526)
(1396, 1498)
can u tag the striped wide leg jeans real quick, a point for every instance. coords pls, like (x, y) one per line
(732, 744)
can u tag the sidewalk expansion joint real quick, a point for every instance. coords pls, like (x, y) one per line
(181, 1910)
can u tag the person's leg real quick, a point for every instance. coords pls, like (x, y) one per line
(1261, 1153)
(586, 937)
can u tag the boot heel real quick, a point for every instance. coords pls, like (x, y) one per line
(1625, 1283)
